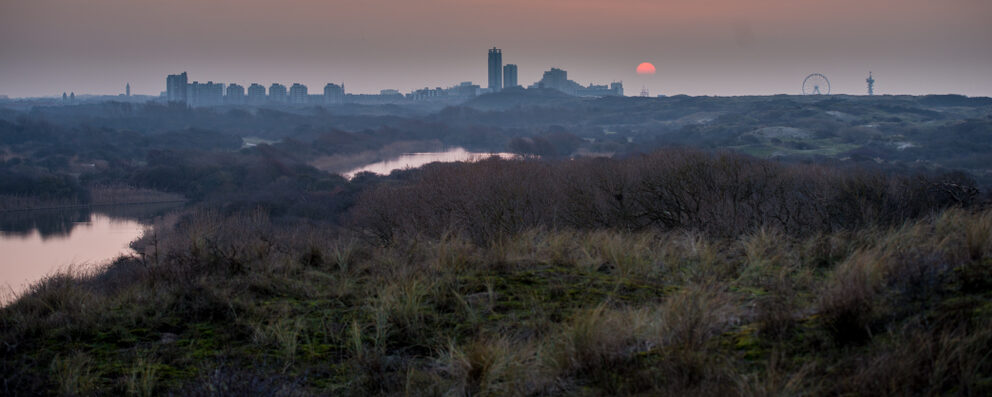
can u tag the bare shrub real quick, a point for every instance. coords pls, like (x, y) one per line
(725, 194)
(492, 367)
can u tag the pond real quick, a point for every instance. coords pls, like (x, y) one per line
(34, 244)
(415, 160)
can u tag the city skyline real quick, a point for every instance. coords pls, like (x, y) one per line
(712, 47)
(196, 94)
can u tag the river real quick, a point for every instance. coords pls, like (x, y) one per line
(34, 244)
(415, 160)
(37, 243)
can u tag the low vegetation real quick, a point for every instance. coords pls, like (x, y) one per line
(724, 246)
(479, 290)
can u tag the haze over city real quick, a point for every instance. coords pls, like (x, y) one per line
(715, 47)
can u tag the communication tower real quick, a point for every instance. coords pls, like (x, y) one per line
(871, 84)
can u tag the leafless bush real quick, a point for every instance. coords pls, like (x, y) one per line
(724, 194)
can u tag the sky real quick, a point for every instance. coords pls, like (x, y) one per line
(700, 47)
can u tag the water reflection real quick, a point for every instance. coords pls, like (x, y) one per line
(60, 223)
(34, 244)
(415, 160)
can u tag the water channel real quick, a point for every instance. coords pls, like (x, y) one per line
(37, 243)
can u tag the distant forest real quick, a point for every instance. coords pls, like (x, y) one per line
(59, 154)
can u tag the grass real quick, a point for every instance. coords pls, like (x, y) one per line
(142, 378)
(240, 304)
(820, 147)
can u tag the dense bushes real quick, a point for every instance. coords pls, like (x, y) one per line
(724, 194)
(28, 187)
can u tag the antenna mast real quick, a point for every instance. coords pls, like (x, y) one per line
(871, 84)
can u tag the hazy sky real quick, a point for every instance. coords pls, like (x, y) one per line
(700, 47)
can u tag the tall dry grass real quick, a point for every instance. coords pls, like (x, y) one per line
(879, 310)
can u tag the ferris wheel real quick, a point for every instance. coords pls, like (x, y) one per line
(816, 84)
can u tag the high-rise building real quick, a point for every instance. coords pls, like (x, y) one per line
(277, 93)
(256, 93)
(617, 88)
(509, 75)
(176, 87)
(127, 89)
(555, 78)
(495, 69)
(206, 94)
(298, 94)
(333, 93)
(235, 94)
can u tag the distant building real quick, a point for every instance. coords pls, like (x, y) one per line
(509, 75)
(298, 94)
(176, 88)
(426, 93)
(558, 79)
(617, 88)
(375, 99)
(206, 94)
(127, 89)
(614, 89)
(277, 93)
(235, 94)
(466, 89)
(495, 69)
(389, 92)
(256, 93)
(333, 93)
(65, 99)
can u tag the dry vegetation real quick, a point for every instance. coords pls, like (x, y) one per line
(724, 194)
(483, 292)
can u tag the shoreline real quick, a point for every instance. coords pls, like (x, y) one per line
(77, 206)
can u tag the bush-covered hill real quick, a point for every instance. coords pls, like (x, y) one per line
(539, 278)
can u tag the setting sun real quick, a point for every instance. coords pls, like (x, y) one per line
(645, 68)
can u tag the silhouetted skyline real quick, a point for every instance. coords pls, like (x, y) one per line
(712, 47)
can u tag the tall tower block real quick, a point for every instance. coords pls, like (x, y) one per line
(509, 75)
(495, 69)
(176, 87)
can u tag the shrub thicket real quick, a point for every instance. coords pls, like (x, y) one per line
(723, 194)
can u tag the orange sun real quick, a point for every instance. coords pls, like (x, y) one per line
(645, 68)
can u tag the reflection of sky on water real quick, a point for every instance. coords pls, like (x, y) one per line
(36, 243)
(415, 160)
